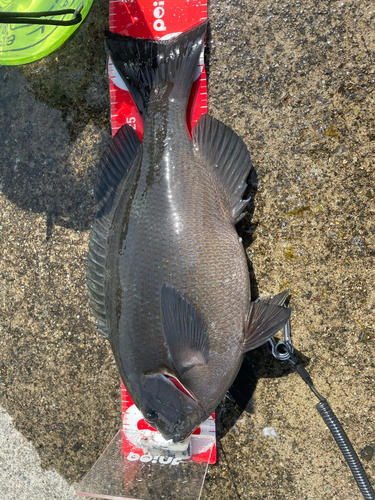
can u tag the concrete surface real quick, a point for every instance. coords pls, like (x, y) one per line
(296, 81)
(21, 476)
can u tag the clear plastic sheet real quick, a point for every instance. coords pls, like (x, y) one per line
(134, 466)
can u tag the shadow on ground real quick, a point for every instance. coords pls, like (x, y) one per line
(55, 125)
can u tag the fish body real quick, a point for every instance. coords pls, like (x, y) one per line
(167, 274)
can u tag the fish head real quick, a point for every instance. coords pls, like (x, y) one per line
(168, 406)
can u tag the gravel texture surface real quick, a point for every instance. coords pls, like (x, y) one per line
(296, 81)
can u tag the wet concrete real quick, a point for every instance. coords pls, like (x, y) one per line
(296, 81)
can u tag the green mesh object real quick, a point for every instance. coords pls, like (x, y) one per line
(23, 42)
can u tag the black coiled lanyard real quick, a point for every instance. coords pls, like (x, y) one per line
(283, 351)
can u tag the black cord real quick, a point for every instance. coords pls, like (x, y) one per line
(347, 449)
(338, 433)
(35, 17)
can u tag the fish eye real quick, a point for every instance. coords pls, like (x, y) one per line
(151, 414)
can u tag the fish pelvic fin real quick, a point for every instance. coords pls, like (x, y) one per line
(115, 162)
(155, 69)
(224, 151)
(184, 329)
(264, 320)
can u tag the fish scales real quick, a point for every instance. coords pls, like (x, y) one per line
(180, 247)
(175, 284)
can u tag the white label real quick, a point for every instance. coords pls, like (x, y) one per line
(131, 121)
(133, 457)
(159, 14)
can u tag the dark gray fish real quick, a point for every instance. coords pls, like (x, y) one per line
(168, 279)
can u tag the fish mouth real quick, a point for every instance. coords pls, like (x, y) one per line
(177, 383)
(173, 379)
(169, 406)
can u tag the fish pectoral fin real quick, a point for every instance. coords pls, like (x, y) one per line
(184, 329)
(264, 320)
(115, 162)
(189, 359)
(226, 153)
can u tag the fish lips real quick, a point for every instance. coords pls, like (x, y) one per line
(169, 407)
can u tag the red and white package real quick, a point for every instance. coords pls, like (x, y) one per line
(155, 19)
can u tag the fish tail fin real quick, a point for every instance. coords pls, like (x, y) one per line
(156, 69)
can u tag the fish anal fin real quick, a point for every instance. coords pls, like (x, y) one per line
(227, 154)
(264, 321)
(184, 329)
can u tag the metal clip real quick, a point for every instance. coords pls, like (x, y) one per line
(283, 349)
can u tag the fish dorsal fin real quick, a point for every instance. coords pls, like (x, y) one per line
(116, 160)
(185, 332)
(226, 152)
(264, 320)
